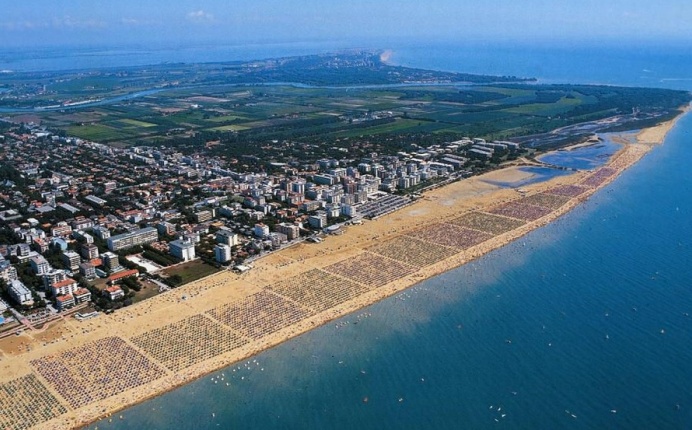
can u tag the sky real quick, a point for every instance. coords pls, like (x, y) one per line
(115, 22)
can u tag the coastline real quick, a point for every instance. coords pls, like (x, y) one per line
(439, 207)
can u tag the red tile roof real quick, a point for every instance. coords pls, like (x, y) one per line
(66, 282)
(123, 274)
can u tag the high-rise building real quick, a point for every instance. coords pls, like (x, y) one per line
(110, 260)
(183, 249)
(39, 265)
(71, 260)
(226, 236)
(290, 230)
(222, 253)
(137, 237)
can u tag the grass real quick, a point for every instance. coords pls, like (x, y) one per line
(546, 109)
(191, 271)
(277, 112)
(97, 132)
(234, 127)
(398, 126)
(226, 118)
(136, 123)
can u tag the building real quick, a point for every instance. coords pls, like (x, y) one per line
(82, 223)
(7, 271)
(114, 293)
(101, 232)
(71, 260)
(95, 200)
(90, 251)
(110, 260)
(261, 230)
(64, 302)
(109, 187)
(39, 245)
(61, 230)
(204, 216)
(319, 220)
(82, 295)
(66, 286)
(222, 253)
(137, 237)
(121, 275)
(87, 270)
(226, 236)
(20, 293)
(165, 228)
(183, 249)
(39, 265)
(53, 276)
(349, 211)
(290, 230)
(277, 239)
(82, 236)
(333, 211)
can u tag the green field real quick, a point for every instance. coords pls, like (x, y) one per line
(191, 271)
(230, 128)
(226, 118)
(250, 116)
(135, 123)
(97, 132)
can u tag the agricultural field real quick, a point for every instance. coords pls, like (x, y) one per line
(218, 108)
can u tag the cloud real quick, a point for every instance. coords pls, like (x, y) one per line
(22, 25)
(57, 23)
(136, 22)
(200, 17)
(75, 23)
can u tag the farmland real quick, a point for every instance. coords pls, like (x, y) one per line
(349, 103)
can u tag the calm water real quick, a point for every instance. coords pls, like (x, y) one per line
(584, 157)
(538, 174)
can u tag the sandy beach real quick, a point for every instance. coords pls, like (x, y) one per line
(72, 373)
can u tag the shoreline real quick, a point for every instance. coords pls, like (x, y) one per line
(136, 325)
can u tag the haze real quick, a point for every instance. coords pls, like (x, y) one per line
(89, 22)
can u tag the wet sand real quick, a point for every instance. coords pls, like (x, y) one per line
(138, 327)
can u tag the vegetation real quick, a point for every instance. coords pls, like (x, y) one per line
(190, 272)
(235, 111)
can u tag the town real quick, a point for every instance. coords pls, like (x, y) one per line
(90, 227)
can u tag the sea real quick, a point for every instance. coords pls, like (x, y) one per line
(585, 323)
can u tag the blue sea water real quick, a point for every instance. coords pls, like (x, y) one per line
(582, 324)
